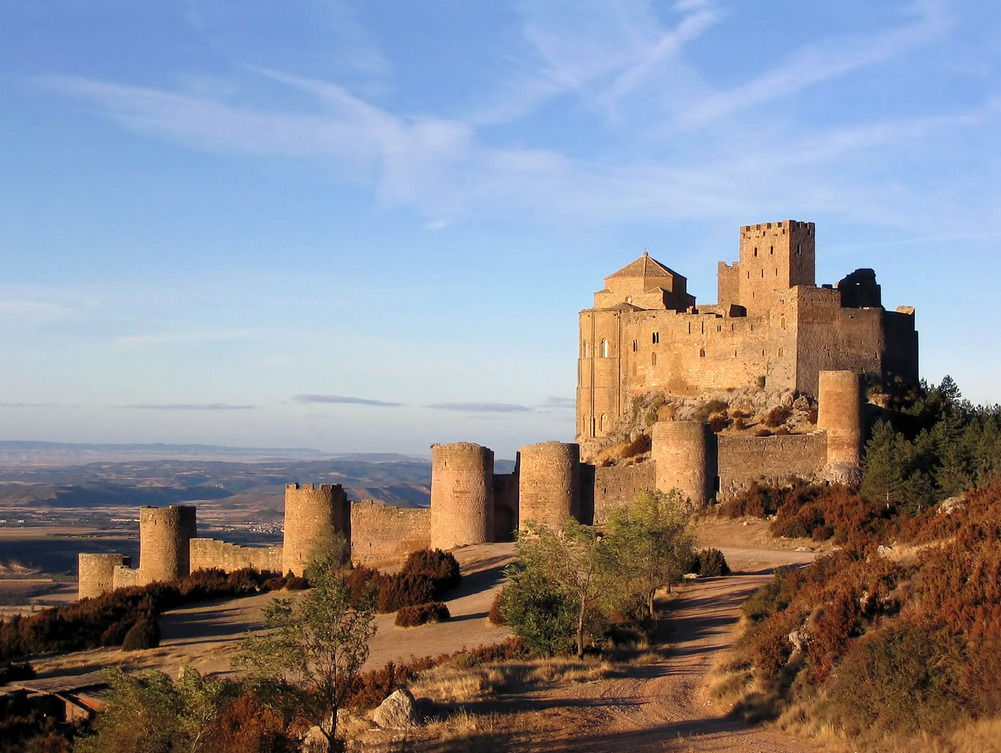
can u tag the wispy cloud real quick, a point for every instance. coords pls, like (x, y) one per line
(436, 225)
(344, 400)
(482, 407)
(178, 338)
(186, 406)
(824, 60)
(26, 405)
(559, 402)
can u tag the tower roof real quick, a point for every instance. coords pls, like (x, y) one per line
(645, 266)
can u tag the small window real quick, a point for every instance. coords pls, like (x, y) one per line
(604, 422)
(655, 338)
(629, 299)
(653, 359)
(762, 273)
(755, 250)
(771, 250)
(782, 322)
(781, 353)
(604, 349)
(587, 349)
(636, 345)
(735, 354)
(719, 327)
(702, 353)
(703, 327)
(799, 249)
(689, 328)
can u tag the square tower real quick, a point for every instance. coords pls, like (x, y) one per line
(774, 256)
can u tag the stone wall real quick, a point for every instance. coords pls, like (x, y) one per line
(506, 506)
(385, 534)
(212, 553)
(312, 513)
(125, 577)
(462, 495)
(549, 484)
(164, 533)
(96, 574)
(617, 486)
(769, 459)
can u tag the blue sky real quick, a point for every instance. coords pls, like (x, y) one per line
(369, 226)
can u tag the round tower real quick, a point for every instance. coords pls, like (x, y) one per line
(549, 484)
(685, 454)
(839, 414)
(164, 539)
(96, 573)
(462, 495)
(312, 514)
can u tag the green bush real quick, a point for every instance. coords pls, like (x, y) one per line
(422, 614)
(710, 563)
(143, 635)
(539, 615)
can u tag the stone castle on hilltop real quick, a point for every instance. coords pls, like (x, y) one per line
(772, 326)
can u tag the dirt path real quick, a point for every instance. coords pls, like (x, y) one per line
(665, 706)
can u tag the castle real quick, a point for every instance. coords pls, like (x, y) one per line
(644, 334)
(772, 326)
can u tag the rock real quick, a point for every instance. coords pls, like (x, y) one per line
(951, 505)
(399, 711)
(801, 403)
(798, 639)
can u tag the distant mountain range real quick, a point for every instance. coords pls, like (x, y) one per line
(61, 475)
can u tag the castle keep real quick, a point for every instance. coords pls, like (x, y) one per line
(645, 334)
(771, 326)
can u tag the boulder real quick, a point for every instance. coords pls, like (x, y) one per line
(399, 711)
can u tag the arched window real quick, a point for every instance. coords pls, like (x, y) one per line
(604, 422)
(653, 359)
(604, 349)
(702, 352)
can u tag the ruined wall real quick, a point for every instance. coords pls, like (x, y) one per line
(685, 453)
(839, 414)
(312, 514)
(506, 504)
(462, 495)
(164, 536)
(212, 553)
(385, 534)
(96, 573)
(617, 486)
(125, 577)
(769, 459)
(549, 484)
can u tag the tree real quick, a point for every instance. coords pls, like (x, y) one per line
(149, 712)
(649, 543)
(567, 567)
(312, 651)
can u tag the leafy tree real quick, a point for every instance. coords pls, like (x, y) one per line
(565, 570)
(649, 542)
(149, 712)
(312, 651)
(538, 613)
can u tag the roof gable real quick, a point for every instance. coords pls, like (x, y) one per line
(645, 266)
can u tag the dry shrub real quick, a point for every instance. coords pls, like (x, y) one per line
(762, 433)
(718, 421)
(422, 614)
(249, 725)
(496, 615)
(777, 416)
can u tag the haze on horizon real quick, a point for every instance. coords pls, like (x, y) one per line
(370, 226)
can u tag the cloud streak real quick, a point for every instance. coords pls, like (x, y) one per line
(186, 407)
(344, 400)
(481, 407)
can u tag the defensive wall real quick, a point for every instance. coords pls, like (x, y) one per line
(207, 554)
(383, 534)
(312, 514)
(97, 572)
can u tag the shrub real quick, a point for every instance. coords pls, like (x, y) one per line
(296, 583)
(711, 563)
(405, 590)
(496, 614)
(542, 617)
(16, 671)
(422, 614)
(441, 567)
(143, 635)
(718, 422)
(777, 415)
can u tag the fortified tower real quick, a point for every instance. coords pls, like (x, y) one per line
(686, 459)
(549, 484)
(773, 256)
(312, 514)
(462, 495)
(838, 414)
(164, 540)
(97, 573)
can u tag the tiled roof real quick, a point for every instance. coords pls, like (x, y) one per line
(645, 266)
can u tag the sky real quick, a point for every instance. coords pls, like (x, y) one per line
(370, 226)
